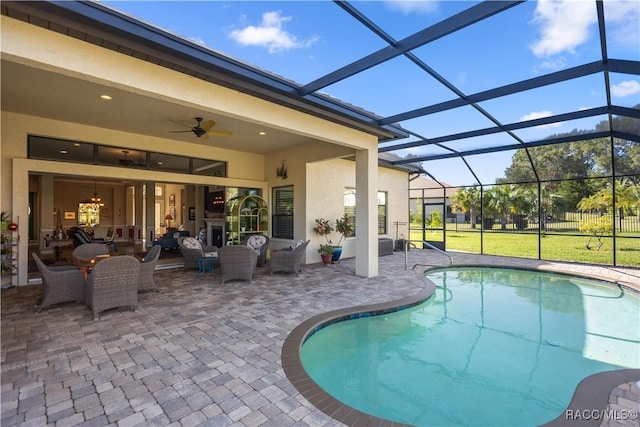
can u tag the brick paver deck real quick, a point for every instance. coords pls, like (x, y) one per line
(197, 353)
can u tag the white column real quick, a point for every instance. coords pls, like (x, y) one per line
(150, 213)
(47, 221)
(367, 213)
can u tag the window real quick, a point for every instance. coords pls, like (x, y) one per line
(350, 209)
(382, 212)
(282, 219)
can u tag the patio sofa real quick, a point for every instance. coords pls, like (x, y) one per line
(169, 240)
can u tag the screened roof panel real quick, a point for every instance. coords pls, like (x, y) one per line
(524, 173)
(586, 92)
(624, 89)
(623, 29)
(402, 19)
(481, 142)
(562, 128)
(425, 150)
(449, 122)
(455, 170)
(374, 88)
(482, 55)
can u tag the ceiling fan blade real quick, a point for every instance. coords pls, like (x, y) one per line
(181, 124)
(219, 133)
(180, 131)
(205, 126)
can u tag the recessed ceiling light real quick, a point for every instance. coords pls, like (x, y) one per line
(106, 97)
(161, 163)
(262, 133)
(63, 151)
(76, 145)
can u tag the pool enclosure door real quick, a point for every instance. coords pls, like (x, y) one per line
(433, 223)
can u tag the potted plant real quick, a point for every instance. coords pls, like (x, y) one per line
(324, 229)
(344, 226)
(4, 220)
(5, 252)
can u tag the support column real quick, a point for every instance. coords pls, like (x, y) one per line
(138, 222)
(367, 216)
(150, 213)
(46, 208)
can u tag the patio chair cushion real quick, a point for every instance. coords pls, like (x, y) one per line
(256, 242)
(191, 243)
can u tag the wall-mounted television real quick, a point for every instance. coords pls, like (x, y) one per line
(214, 200)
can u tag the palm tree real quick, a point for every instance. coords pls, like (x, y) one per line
(467, 199)
(499, 201)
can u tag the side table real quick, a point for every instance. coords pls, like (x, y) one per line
(206, 264)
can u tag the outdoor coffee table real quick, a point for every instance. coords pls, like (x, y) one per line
(206, 264)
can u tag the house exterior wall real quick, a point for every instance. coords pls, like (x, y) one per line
(42, 49)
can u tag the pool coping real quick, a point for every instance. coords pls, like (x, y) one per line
(591, 394)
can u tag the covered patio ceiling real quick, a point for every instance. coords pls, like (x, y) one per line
(444, 120)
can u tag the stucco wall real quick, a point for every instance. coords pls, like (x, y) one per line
(326, 182)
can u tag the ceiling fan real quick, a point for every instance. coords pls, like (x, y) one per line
(202, 128)
(130, 163)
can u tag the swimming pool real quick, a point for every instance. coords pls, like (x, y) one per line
(491, 347)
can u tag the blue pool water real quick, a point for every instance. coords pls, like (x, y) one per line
(490, 347)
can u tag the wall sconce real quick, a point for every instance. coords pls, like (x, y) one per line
(281, 171)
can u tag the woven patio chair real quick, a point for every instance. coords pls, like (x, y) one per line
(288, 259)
(192, 249)
(60, 284)
(88, 251)
(147, 267)
(80, 237)
(113, 283)
(260, 244)
(237, 262)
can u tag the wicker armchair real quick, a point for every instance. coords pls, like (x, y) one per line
(237, 262)
(88, 251)
(60, 284)
(147, 267)
(80, 237)
(288, 259)
(192, 249)
(113, 283)
(260, 244)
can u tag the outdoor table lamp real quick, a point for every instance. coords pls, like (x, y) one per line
(168, 218)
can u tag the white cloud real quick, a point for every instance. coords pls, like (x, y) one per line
(564, 25)
(409, 7)
(623, 22)
(539, 115)
(626, 88)
(270, 34)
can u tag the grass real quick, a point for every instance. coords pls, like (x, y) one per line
(554, 247)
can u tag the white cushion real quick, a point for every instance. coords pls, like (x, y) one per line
(298, 244)
(191, 243)
(211, 254)
(256, 242)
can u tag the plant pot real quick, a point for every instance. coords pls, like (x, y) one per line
(326, 258)
(337, 251)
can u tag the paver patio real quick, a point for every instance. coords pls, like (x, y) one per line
(197, 353)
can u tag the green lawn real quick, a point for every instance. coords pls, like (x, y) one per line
(553, 247)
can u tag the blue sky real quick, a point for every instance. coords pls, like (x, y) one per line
(304, 40)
